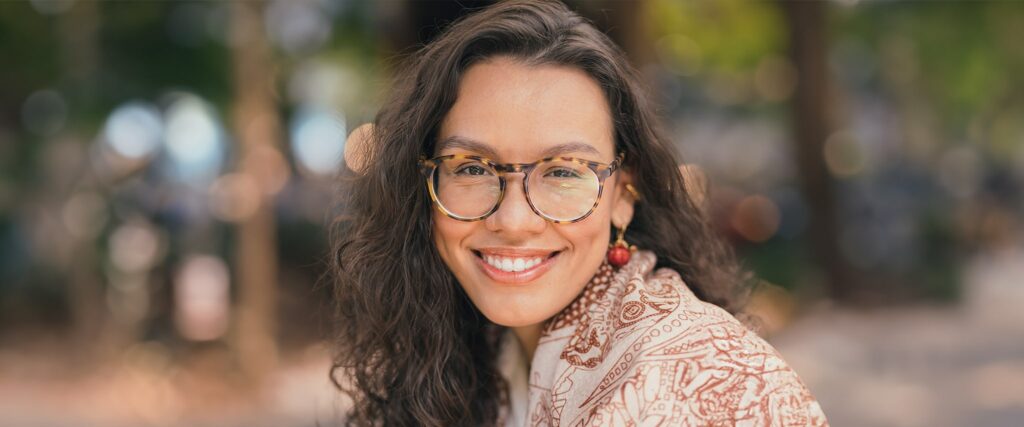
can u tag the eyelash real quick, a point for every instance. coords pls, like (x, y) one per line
(571, 172)
(463, 168)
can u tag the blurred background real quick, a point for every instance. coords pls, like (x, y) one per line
(166, 174)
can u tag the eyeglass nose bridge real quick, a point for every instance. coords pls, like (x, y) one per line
(509, 168)
(505, 168)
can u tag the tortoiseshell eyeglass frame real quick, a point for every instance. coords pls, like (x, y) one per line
(602, 170)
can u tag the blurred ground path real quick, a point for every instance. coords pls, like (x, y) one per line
(960, 365)
(142, 388)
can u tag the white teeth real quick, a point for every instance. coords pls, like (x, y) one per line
(512, 264)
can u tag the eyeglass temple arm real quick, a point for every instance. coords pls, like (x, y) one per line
(426, 166)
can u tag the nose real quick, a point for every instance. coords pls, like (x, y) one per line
(514, 215)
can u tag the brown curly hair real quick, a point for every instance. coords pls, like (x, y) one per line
(411, 348)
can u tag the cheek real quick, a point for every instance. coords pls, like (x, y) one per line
(448, 233)
(590, 236)
(446, 236)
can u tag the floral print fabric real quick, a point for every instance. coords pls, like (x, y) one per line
(637, 348)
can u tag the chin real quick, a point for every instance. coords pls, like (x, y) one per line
(505, 315)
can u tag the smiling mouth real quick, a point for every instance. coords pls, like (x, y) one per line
(514, 262)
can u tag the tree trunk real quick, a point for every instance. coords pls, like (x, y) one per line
(812, 124)
(256, 129)
(79, 56)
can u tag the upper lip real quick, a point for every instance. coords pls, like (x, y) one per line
(515, 252)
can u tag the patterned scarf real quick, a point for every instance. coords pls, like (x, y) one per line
(639, 348)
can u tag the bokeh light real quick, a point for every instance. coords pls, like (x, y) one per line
(135, 247)
(298, 26)
(194, 138)
(235, 197)
(134, 130)
(44, 112)
(756, 218)
(201, 296)
(844, 154)
(85, 214)
(318, 140)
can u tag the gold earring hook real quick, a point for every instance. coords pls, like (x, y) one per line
(632, 190)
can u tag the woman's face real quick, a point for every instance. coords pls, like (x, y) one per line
(515, 113)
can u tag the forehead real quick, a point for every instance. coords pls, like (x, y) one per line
(522, 111)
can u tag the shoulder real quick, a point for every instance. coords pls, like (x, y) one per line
(730, 369)
(683, 360)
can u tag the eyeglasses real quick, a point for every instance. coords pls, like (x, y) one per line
(558, 189)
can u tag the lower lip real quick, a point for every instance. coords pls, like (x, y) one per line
(515, 277)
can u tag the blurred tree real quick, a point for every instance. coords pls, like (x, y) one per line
(812, 125)
(79, 58)
(258, 132)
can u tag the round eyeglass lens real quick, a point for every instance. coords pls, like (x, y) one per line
(466, 188)
(563, 190)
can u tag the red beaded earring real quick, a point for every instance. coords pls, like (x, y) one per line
(620, 251)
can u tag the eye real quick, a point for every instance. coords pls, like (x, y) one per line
(472, 169)
(562, 173)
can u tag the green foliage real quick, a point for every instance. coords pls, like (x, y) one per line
(964, 58)
(732, 35)
(139, 60)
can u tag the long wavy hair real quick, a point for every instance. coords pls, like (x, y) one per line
(411, 348)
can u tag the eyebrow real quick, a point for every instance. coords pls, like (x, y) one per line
(468, 144)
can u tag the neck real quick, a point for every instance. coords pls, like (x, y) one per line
(529, 336)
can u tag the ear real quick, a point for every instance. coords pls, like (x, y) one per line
(622, 207)
(356, 146)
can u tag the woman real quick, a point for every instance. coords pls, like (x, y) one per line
(516, 147)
